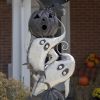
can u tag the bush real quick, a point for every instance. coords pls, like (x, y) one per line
(11, 89)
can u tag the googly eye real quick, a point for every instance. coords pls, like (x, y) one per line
(65, 72)
(61, 66)
(42, 42)
(47, 45)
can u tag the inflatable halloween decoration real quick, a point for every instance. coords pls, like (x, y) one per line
(43, 23)
(47, 70)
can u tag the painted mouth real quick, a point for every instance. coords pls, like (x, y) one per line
(44, 27)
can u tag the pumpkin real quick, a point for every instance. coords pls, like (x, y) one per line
(90, 64)
(84, 81)
(43, 23)
(52, 94)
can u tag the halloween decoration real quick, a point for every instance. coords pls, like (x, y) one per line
(47, 70)
(43, 46)
(43, 23)
(61, 70)
(52, 94)
(84, 81)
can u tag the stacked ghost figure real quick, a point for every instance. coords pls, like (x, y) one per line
(48, 70)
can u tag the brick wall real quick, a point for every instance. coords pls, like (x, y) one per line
(85, 29)
(5, 35)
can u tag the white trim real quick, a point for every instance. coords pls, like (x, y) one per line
(25, 15)
(16, 39)
(21, 11)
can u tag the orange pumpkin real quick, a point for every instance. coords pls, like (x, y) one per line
(84, 81)
(90, 64)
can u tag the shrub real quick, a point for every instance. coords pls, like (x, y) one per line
(11, 89)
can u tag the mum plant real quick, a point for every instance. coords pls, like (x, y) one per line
(11, 89)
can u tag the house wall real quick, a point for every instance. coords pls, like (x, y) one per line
(85, 29)
(5, 35)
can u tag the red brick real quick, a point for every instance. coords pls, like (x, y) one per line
(85, 29)
(5, 35)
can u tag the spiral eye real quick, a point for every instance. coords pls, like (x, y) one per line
(61, 66)
(47, 45)
(42, 42)
(65, 72)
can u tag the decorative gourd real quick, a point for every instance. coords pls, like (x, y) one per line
(84, 81)
(52, 94)
(43, 23)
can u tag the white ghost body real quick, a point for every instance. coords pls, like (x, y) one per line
(53, 56)
(39, 50)
(57, 72)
